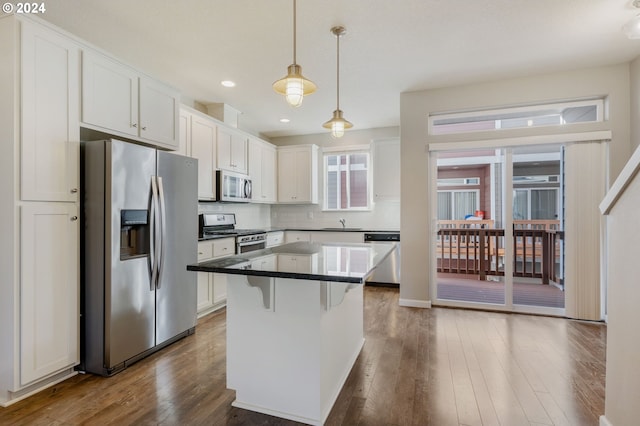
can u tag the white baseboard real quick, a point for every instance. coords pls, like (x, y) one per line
(412, 303)
(604, 421)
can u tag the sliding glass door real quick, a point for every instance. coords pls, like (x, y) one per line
(498, 239)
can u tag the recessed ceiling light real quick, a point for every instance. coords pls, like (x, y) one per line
(284, 120)
(228, 83)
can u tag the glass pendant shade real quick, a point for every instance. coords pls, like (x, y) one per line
(632, 28)
(294, 86)
(337, 124)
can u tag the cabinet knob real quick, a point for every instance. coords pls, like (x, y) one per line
(74, 218)
(144, 128)
(134, 125)
(74, 190)
(200, 253)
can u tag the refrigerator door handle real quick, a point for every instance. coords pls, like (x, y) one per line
(163, 230)
(155, 233)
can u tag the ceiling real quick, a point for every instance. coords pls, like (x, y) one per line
(390, 47)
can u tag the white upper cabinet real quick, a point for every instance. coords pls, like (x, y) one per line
(202, 133)
(232, 150)
(386, 170)
(109, 94)
(118, 99)
(298, 174)
(50, 125)
(184, 133)
(262, 169)
(159, 107)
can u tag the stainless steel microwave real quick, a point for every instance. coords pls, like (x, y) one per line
(231, 186)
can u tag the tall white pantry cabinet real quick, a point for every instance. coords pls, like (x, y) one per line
(39, 213)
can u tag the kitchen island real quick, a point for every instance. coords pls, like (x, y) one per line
(294, 324)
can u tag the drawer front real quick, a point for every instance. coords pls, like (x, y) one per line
(205, 250)
(275, 239)
(224, 247)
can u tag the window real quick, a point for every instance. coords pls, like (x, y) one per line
(553, 114)
(456, 205)
(346, 183)
(532, 204)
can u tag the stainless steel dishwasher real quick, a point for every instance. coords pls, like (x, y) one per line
(388, 272)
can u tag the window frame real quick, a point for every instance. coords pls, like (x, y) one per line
(453, 203)
(598, 103)
(347, 150)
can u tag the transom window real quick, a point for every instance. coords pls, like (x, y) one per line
(553, 114)
(347, 182)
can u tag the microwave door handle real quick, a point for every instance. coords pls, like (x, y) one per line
(247, 188)
(155, 231)
(163, 231)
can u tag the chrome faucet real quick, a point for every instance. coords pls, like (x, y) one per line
(342, 221)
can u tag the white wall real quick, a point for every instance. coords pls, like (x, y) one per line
(623, 297)
(383, 215)
(248, 216)
(611, 82)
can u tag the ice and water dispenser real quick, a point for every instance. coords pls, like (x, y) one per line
(134, 234)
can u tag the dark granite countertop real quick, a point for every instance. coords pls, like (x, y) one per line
(342, 262)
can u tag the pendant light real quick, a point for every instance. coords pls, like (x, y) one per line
(338, 124)
(294, 86)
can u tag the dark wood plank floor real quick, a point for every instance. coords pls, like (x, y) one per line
(418, 367)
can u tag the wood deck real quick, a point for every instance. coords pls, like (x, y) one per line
(419, 367)
(471, 289)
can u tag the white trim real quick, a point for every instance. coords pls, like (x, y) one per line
(604, 421)
(414, 303)
(349, 148)
(599, 135)
(624, 179)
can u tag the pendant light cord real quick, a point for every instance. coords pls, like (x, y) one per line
(338, 72)
(294, 32)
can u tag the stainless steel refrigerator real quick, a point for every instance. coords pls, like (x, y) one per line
(140, 210)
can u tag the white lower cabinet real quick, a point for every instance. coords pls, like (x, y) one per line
(293, 236)
(275, 238)
(49, 296)
(212, 288)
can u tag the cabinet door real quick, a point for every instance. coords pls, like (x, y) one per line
(205, 284)
(232, 150)
(239, 152)
(49, 290)
(203, 147)
(109, 94)
(158, 115)
(287, 185)
(184, 134)
(50, 116)
(302, 167)
(255, 169)
(386, 170)
(219, 288)
(268, 170)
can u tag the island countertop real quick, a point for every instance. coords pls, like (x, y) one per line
(317, 261)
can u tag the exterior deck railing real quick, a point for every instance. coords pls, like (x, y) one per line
(478, 249)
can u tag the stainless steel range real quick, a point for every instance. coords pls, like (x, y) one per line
(215, 225)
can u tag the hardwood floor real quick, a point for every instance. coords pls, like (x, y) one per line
(418, 367)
